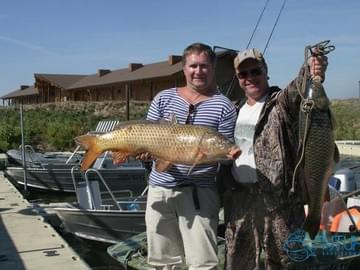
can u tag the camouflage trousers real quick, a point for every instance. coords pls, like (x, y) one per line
(252, 230)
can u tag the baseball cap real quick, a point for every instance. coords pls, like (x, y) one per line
(249, 54)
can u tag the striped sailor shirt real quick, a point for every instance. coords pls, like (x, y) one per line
(217, 112)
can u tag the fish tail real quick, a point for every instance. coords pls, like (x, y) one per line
(88, 142)
(312, 226)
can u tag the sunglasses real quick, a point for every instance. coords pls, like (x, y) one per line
(250, 72)
(190, 112)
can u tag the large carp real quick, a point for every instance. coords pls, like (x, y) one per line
(167, 141)
(319, 152)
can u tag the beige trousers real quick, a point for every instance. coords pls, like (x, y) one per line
(177, 232)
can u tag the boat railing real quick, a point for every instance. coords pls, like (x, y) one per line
(348, 142)
(74, 180)
(92, 170)
(72, 154)
(342, 198)
(93, 194)
(30, 150)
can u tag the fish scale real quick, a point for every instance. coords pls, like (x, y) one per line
(170, 143)
(319, 151)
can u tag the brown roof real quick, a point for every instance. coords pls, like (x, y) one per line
(29, 91)
(59, 80)
(150, 71)
(155, 70)
(96, 80)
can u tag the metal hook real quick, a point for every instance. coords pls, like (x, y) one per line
(321, 48)
(307, 105)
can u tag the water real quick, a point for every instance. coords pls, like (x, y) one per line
(93, 253)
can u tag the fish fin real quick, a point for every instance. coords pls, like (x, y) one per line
(197, 159)
(88, 142)
(312, 226)
(336, 154)
(129, 123)
(162, 165)
(173, 119)
(170, 121)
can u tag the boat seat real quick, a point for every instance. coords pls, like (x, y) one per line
(88, 197)
(342, 222)
(105, 126)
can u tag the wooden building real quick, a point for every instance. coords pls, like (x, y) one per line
(25, 95)
(52, 86)
(137, 82)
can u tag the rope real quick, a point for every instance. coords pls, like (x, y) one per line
(307, 106)
(307, 110)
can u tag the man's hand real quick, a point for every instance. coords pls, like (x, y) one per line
(118, 158)
(318, 65)
(146, 156)
(234, 153)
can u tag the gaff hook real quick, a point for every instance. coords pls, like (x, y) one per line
(321, 48)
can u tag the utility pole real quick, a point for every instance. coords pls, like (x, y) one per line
(359, 89)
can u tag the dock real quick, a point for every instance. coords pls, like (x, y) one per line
(351, 148)
(3, 161)
(27, 241)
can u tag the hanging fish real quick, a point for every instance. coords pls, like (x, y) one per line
(319, 151)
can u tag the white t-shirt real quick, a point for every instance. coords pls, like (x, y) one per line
(244, 168)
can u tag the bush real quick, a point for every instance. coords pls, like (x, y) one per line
(53, 127)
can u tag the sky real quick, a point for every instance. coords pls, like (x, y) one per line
(82, 36)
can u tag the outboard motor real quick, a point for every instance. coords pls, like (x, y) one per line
(347, 180)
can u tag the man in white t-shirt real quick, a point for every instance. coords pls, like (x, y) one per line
(262, 212)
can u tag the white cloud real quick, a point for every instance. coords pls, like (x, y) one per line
(28, 45)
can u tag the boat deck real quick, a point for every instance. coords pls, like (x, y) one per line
(26, 240)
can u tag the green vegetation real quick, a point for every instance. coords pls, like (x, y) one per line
(347, 116)
(52, 127)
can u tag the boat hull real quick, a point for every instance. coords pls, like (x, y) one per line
(109, 226)
(58, 178)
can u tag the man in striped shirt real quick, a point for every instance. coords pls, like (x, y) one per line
(182, 209)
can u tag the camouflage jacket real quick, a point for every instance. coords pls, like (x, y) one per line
(276, 145)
